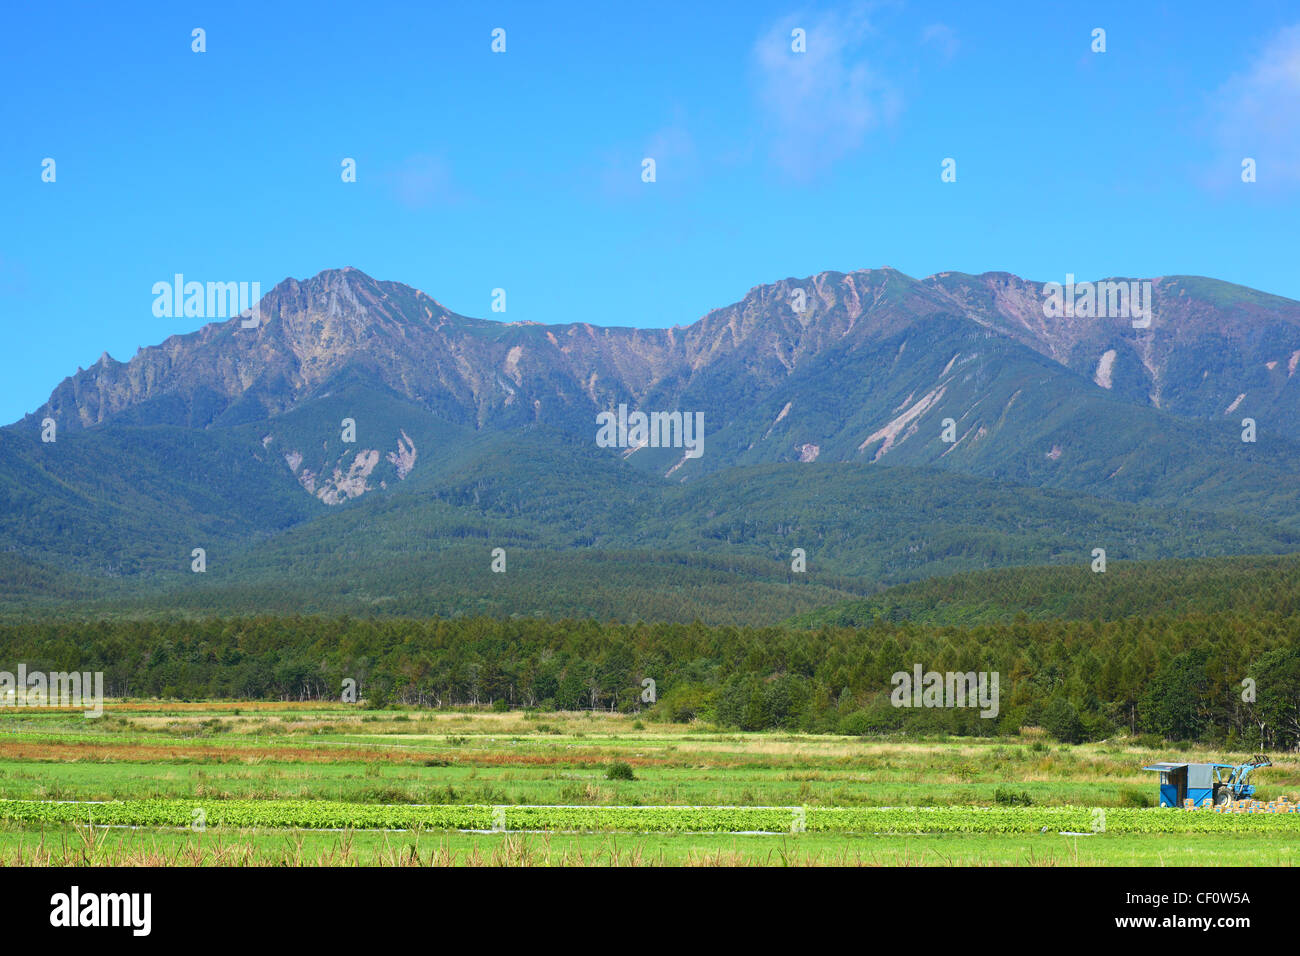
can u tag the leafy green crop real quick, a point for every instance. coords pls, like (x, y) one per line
(314, 814)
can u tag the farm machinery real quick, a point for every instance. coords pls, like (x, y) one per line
(1207, 784)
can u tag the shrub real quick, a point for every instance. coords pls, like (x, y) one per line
(1061, 720)
(1134, 798)
(855, 724)
(683, 704)
(1096, 726)
(1006, 797)
(620, 770)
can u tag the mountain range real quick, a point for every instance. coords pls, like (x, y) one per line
(893, 428)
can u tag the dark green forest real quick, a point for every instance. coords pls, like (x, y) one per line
(1177, 677)
(106, 521)
(1254, 583)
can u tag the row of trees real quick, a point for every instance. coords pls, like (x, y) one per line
(1221, 677)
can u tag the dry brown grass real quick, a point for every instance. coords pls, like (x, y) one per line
(132, 752)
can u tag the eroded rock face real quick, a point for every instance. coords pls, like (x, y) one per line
(352, 484)
(339, 476)
(353, 474)
(404, 458)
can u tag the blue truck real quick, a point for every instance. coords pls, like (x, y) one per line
(1207, 784)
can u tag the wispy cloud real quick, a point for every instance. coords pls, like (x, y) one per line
(673, 149)
(819, 105)
(1256, 113)
(942, 38)
(422, 181)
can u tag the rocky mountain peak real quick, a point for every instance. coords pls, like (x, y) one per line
(1211, 346)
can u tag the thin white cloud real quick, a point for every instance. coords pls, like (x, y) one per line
(673, 147)
(676, 162)
(1256, 113)
(423, 181)
(820, 105)
(942, 38)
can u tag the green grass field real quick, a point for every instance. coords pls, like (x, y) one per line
(86, 846)
(278, 783)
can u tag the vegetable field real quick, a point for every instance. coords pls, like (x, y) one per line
(212, 783)
(276, 814)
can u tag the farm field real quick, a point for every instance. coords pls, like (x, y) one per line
(331, 784)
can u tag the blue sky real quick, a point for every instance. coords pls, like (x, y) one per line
(522, 170)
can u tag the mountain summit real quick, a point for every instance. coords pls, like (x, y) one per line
(1212, 349)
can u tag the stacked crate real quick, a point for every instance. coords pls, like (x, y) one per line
(1280, 805)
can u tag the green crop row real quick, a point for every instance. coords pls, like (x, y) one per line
(316, 814)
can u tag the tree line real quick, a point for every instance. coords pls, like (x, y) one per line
(1231, 678)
